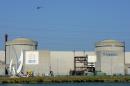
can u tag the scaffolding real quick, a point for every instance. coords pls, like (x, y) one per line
(80, 63)
(82, 66)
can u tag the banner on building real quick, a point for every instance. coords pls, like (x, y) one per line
(32, 57)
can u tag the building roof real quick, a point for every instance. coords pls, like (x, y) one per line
(109, 42)
(21, 41)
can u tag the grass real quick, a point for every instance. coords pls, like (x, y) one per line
(65, 79)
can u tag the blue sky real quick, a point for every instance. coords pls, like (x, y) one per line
(66, 24)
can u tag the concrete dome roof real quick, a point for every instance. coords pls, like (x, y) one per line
(109, 42)
(21, 41)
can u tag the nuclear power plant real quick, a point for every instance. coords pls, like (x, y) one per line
(21, 56)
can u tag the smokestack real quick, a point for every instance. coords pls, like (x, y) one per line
(6, 39)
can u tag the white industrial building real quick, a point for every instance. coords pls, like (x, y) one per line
(60, 62)
(109, 57)
(63, 61)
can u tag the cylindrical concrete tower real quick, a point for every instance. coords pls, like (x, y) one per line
(110, 57)
(15, 47)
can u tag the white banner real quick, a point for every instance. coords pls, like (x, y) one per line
(32, 57)
(91, 58)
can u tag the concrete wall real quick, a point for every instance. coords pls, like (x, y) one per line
(60, 62)
(127, 63)
(127, 57)
(43, 66)
(2, 63)
(63, 61)
(110, 60)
